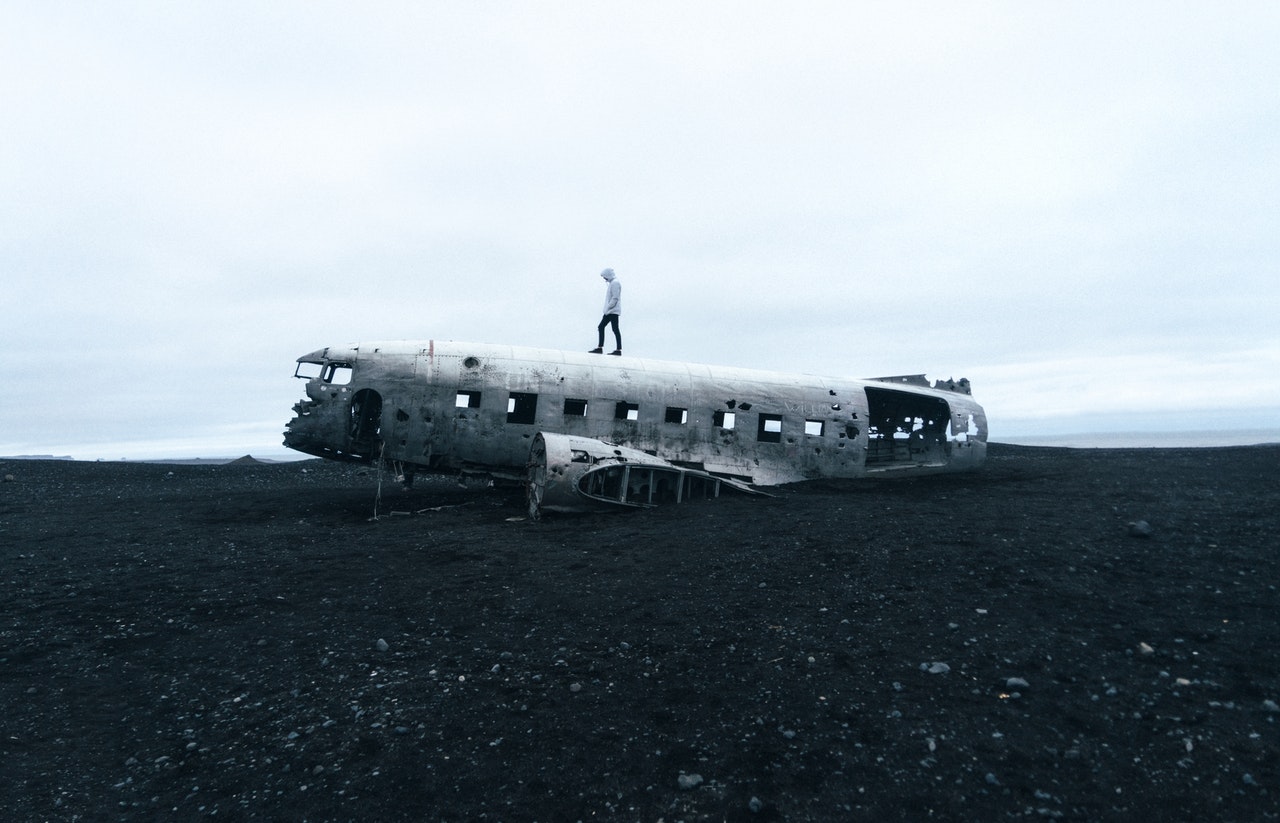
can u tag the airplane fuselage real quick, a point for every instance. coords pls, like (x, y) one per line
(474, 407)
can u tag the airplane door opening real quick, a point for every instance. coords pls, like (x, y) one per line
(365, 423)
(906, 429)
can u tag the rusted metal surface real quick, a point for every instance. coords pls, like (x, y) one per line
(475, 407)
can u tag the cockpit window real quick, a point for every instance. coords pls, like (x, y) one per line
(339, 374)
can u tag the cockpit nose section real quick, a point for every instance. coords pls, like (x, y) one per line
(336, 420)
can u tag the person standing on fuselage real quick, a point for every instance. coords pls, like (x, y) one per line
(612, 308)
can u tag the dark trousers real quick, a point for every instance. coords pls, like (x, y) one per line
(609, 319)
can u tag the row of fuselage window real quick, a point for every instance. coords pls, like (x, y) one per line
(522, 408)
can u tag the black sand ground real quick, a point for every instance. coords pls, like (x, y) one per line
(179, 642)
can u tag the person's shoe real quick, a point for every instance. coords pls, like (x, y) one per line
(616, 352)
(596, 351)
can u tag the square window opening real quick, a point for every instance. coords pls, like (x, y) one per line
(522, 407)
(813, 428)
(626, 411)
(575, 408)
(770, 429)
(467, 400)
(723, 419)
(677, 415)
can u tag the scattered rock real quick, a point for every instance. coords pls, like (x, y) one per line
(1140, 528)
(689, 781)
(1016, 683)
(382, 645)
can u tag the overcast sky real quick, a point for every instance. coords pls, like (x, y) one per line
(1074, 205)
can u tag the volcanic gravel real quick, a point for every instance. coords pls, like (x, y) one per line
(1065, 634)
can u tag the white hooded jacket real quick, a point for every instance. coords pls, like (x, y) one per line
(613, 293)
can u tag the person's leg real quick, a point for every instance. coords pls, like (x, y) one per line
(617, 335)
(604, 321)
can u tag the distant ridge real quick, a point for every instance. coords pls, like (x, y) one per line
(36, 457)
(246, 460)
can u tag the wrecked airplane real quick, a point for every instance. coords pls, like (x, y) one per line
(585, 432)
